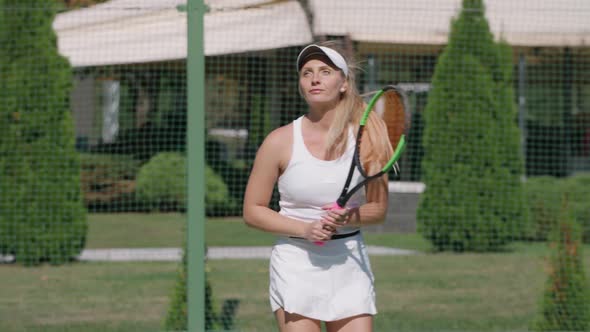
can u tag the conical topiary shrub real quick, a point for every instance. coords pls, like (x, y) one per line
(565, 301)
(474, 200)
(42, 214)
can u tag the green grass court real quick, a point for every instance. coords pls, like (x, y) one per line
(427, 292)
(133, 230)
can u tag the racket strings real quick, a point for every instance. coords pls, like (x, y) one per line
(388, 124)
(394, 116)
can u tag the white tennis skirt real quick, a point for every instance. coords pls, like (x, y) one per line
(327, 283)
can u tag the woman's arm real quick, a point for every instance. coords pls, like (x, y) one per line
(274, 151)
(375, 210)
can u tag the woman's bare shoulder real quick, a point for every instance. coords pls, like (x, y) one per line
(276, 148)
(280, 138)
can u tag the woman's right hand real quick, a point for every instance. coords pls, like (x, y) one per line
(319, 231)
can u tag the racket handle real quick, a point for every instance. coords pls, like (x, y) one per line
(334, 206)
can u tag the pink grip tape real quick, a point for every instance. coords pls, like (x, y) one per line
(334, 206)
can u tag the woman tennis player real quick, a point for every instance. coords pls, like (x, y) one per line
(319, 267)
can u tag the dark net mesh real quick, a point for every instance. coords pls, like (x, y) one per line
(487, 219)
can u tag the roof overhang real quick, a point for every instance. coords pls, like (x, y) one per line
(135, 31)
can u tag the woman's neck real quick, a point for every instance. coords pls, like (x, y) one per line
(321, 118)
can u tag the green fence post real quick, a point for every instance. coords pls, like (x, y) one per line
(196, 166)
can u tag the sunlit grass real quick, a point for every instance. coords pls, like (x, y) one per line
(88, 297)
(424, 292)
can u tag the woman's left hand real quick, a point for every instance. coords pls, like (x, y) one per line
(340, 216)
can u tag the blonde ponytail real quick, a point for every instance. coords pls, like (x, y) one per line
(375, 146)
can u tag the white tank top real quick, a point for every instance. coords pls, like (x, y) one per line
(308, 183)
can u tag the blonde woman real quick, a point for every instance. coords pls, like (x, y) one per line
(309, 159)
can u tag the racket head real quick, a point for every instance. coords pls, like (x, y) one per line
(377, 153)
(390, 105)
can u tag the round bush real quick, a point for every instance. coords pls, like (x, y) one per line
(161, 182)
(162, 185)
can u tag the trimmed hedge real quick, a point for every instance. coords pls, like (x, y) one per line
(162, 185)
(161, 182)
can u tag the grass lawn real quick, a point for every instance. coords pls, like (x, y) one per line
(438, 292)
(90, 297)
(425, 292)
(136, 230)
(434, 292)
(158, 230)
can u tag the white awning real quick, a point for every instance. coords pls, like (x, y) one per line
(427, 22)
(268, 26)
(140, 31)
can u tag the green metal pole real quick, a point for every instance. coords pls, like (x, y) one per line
(196, 166)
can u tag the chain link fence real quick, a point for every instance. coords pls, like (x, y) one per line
(487, 220)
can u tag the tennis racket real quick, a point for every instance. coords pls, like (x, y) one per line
(390, 103)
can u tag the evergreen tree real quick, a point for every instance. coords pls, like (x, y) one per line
(513, 197)
(177, 317)
(472, 165)
(42, 216)
(564, 306)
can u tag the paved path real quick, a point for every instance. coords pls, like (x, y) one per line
(175, 254)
